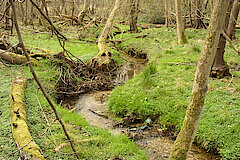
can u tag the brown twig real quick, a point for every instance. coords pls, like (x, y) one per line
(79, 141)
(37, 79)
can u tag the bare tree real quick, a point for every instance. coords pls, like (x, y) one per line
(186, 136)
(199, 16)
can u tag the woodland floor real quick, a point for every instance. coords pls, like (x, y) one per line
(114, 121)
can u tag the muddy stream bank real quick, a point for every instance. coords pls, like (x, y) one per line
(92, 106)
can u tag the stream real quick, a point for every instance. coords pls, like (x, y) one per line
(93, 107)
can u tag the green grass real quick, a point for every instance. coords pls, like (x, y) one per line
(164, 87)
(41, 117)
(7, 144)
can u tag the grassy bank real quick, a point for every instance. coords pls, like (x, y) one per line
(92, 142)
(164, 87)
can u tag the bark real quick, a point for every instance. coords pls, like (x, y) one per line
(167, 13)
(103, 50)
(180, 24)
(103, 61)
(198, 16)
(134, 10)
(20, 131)
(219, 67)
(15, 58)
(186, 136)
(233, 19)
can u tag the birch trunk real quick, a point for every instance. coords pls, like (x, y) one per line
(186, 136)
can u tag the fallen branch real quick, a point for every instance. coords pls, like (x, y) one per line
(179, 63)
(15, 58)
(99, 114)
(20, 130)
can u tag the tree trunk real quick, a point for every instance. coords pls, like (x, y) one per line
(219, 67)
(180, 24)
(102, 46)
(198, 16)
(186, 136)
(233, 19)
(134, 15)
(103, 59)
(167, 13)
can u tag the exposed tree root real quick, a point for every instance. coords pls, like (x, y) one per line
(20, 131)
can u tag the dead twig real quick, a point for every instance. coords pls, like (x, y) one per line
(78, 141)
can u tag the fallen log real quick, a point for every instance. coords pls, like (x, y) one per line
(22, 137)
(15, 58)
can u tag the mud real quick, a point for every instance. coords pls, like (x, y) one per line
(93, 108)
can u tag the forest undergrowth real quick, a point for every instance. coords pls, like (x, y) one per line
(160, 92)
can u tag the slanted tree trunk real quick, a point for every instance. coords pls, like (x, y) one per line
(219, 67)
(134, 15)
(102, 46)
(233, 19)
(84, 10)
(186, 136)
(180, 24)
